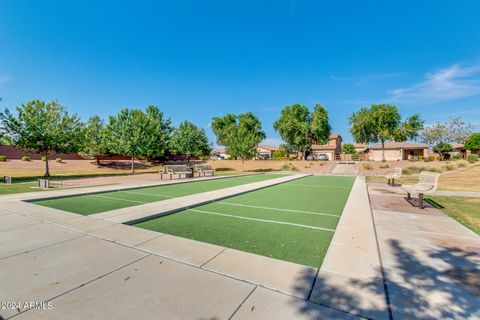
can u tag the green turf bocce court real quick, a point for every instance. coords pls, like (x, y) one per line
(105, 201)
(292, 221)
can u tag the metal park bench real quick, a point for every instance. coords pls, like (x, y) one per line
(203, 169)
(392, 175)
(176, 169)
(427, 184)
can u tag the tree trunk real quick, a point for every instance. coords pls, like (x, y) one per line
(243, 165)
(188, 160)
(98, 160)
(383, 151)
(47, 169)
(132, 168)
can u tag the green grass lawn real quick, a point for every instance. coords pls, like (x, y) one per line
(464, 210)
(25, 187)
(293, 221)
(106, 201)
(18, 188)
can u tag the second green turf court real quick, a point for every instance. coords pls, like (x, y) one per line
(293, 221)
(87, 204)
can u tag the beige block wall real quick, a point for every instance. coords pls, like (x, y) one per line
(390, 155)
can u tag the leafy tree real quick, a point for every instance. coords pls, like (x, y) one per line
(348, 148)
(240, 134)
(138, 134)
(95, 140)
(320, 127)
(190, 140)
(382, 122)
(286, 149)
(473, 142)
(3, 140)
(299, 128)
(278, 154)
(442, 148)
(43, 128)
(454, 130)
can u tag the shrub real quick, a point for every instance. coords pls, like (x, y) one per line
(462, 164)
(26, 158)
(278, 154)
(406, 172)
(44, 158)
(3, 158)
(414, 169)
(367, 166)
(421, 158)
(472, 158)
(293, 167)
(449, 167)
(58, 160)
(458, 156)
(384, 166)
(432, 170)
(431, 158)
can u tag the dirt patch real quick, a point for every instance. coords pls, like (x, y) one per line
(466, 180)
(272, 165)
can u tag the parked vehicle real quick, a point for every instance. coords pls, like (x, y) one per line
(262, 157)
(216, 157)
(321, 157)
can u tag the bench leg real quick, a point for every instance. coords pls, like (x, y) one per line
(420, 201)
(409, 196)
(393, 182)
(388, 181)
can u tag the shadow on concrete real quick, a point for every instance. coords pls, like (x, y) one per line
(450, 289)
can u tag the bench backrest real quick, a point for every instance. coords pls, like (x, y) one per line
(202, 167)
(176, 168)
(398, 171)
(428, 178)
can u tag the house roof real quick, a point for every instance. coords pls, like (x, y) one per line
(458, 146)
(398, 145)
(360, 145)
(322, 147)
(218, 151)
(271, 148)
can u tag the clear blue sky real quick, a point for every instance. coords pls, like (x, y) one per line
(198, 59)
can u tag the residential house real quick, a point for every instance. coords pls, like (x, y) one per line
(220, 152)
(332, 149)
(397, 151)
(360, 148)
(266, 152)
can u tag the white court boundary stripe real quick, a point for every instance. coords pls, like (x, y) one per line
(262, 220)
(112, 198)
(147, 194)
(314, 186)
(277, 209)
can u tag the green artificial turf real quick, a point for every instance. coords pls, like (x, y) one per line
(106, 201)
(320, 198)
